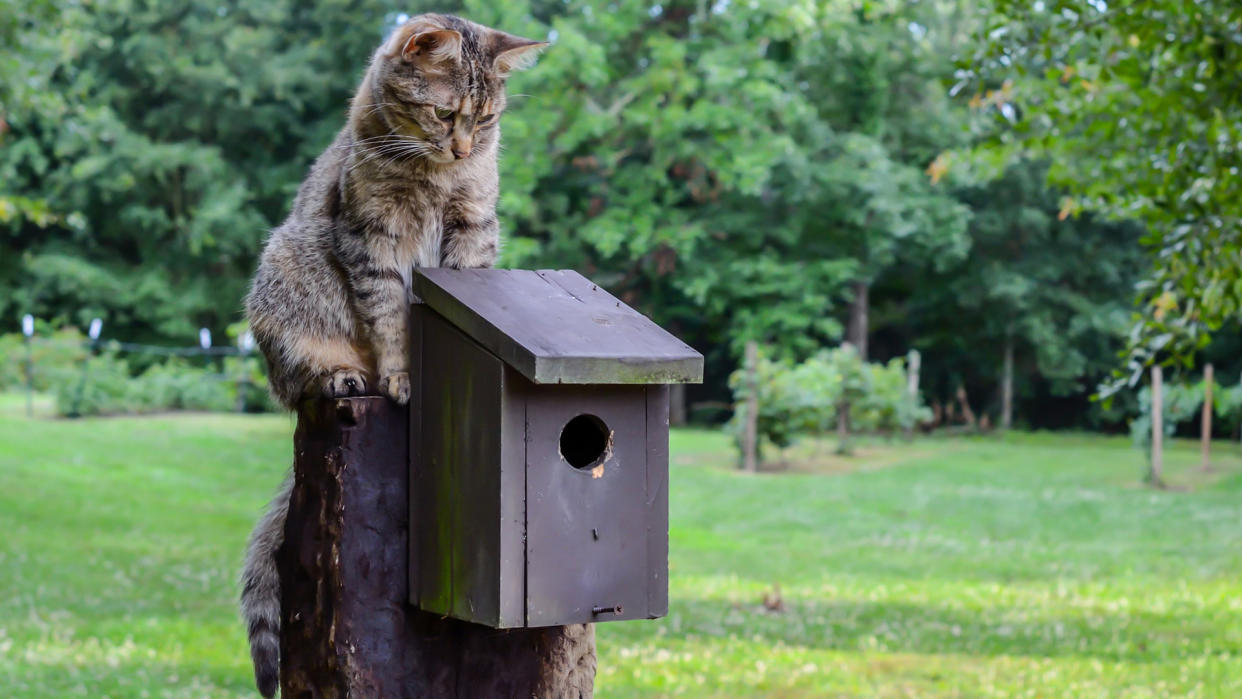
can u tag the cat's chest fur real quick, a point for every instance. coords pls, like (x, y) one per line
(402, 218)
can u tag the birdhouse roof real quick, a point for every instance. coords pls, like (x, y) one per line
(555, 326)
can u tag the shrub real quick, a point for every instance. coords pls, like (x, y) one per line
(100, 386)
(175, 385)
(104, 386)
(56, 356)
(804, 398)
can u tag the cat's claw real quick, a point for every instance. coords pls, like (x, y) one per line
(344, 383)
(397, 387)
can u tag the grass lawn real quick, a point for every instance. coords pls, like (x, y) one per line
(1025, 565)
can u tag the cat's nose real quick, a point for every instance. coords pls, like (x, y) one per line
(460, 153)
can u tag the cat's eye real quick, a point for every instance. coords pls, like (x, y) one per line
(445, 114)
(486, 119)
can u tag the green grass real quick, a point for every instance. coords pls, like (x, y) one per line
(1026, 565)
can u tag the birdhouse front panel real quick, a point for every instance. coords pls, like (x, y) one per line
(594, 502)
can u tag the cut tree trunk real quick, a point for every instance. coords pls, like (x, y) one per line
(1007, 386)
(856, 333)
(347, 629)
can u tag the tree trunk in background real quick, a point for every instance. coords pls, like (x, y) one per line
(856, 332)
(1206, 422)
(1007, 385)
(1156, 476)
(964, 402)
(750, 429)
(677, 404)
(843, 428)
(347, 627)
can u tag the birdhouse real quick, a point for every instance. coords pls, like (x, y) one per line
(539, 449)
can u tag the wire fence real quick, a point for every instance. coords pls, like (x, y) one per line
(94, 346)
(78, 368)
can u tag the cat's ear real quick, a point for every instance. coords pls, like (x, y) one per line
(513, 53)
(431, 47)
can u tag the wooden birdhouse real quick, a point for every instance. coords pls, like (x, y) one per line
(539, 449)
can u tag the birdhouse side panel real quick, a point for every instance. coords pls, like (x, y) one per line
(458, 425)
(657, 501)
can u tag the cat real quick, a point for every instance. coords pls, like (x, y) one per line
(410, 181)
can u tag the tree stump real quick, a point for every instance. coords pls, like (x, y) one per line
(347, 629)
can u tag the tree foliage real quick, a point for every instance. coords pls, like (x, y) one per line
(1057, 289)
(150, 145)
(1138, 106)
(739, 171)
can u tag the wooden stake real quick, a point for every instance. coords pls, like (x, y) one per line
(29, 379)
(1157, 426)
(1007, 385)
(1206, 438)
(750, 433)
(913, 362)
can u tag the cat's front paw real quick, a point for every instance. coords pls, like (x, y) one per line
(397, 387)
(344, 383)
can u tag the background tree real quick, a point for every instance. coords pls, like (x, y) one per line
(1137, 104)
(165, 140)
(874, 73)
(1042, 297)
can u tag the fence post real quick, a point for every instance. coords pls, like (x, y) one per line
(347, 628)
(750, 429)
(92, 344)
(914, 361)
(1157, 426)
(1007, 385)
(1206, 433)
(28, 332)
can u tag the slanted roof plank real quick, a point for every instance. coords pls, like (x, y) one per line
(558, 327)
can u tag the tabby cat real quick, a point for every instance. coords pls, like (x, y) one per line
(410, 181)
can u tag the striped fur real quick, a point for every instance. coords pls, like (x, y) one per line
(410, 181)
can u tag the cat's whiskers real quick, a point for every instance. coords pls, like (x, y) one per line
(394, 150)
(416, 150)
(370, 140)
(378, 106)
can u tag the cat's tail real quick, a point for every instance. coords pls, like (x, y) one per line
(260, 597)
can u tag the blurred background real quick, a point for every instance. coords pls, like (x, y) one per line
(931, 250)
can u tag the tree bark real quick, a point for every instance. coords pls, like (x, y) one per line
(1007, 385)
(347, 629)
(856, 332)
